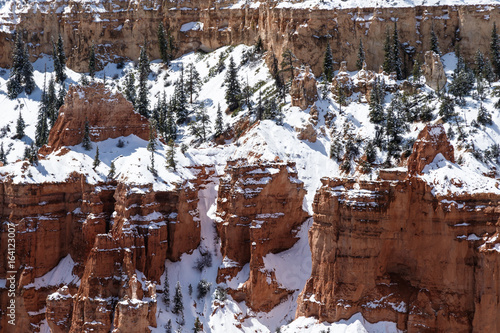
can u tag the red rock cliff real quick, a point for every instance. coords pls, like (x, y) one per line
(393, 251)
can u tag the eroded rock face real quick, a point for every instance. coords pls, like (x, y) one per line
(109, 115)
(259, 209)
(123, 26)
(59, 310)
(393, 251)
(304, 91)
(342, 81)
(433, 71)
(432, 140)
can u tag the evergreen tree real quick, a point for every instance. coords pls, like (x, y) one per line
(483, 116)
(488, 73)
(142, 104)
(27, 72)
(60, 97)
(376, 102)
(168, 328)
(434, 42)
(42, 130)
(172, 47)
(3, 155)
(86, 144)
(278, 78)
(361, 56)
(288, 62)
(396, 54)
(129, 90)
(394, 129)
(219, 122)
(462, 83)
(152, 137)
(163, 44)
(14, 85)
(259, 45)
(151, 166)
(97, 161)
(92, 62)
(221, 65)
(179, 104)
(33, 156)
(20, 126)
(417, 71)
(328, 63)
(51, 102)
(340, 96)
(193, 82)
(170, 126)
(166, 290)
(198, 327)
(61, 75)
(495, 50)
(84, 81)
(200, 126)
(178, 305)
(388, 65)
(112, 170)
(233, 90)
(171, 164)
(479, 64)
(58, 66)
(447, 108)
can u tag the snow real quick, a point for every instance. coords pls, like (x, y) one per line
(60, 275)
(195, 26)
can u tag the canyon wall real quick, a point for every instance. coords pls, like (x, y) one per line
(119, 28)
(394, 251)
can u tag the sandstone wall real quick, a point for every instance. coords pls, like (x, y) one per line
(121, 30)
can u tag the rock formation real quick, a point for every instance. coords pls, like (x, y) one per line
(119, 28)
(433, 71)
(393, 251)
(432, 140)
(59, 310)
(342, 81)
(304, 91)
(109, 115)
(259, 208)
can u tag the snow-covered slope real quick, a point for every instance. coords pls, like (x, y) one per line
(270, 141)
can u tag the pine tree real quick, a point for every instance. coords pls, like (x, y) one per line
(328, 63)
(172, 47)
(142, 104)
(14, 85)
(86, 144)
(193, 82)
(151, 166)
(163, 44)
(200, 126)
(27, 72)
(219, 122)
(233, 90)
(33, 156)
(168, 328)
(3, 155)
(92, 62)
(20, 126)
(166, 290)
(198, 327)
(479, 64)
(170, 126)
(112, 170)
(42, 130)
(178, 305)
(388, 56)
(51, 102)
(60, 97)
(462, 83)
(361, 56)
(61, 76)
(396, 54)
(394, 129)
(495, 50)
(130, 87)
(376, 102)
(483, 116)
(152, 137)
(417, 71)
(288, 62)
(97, 161)
(171, 164)
(179, 104)
(434, 42)
(340, 96)
(447, 108)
